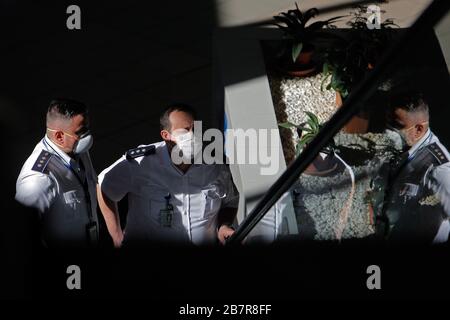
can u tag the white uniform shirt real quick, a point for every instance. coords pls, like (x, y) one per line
(438, 179)
(39, 190)
(196, 196)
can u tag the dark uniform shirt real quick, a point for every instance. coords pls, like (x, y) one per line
(63, 190)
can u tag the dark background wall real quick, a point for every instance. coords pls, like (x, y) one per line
(129, 60)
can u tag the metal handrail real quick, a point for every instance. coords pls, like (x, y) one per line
(431, 15)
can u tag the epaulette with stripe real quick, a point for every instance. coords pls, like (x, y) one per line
(437, 152)
(140, 152)
(42, 161)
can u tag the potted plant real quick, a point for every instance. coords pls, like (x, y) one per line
(369, 44)
(300, 35)
(325, 161)
(346, 64)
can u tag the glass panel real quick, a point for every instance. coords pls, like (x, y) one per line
(378, 178)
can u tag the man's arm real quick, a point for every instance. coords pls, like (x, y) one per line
(35, 190)
(440, 183)
(228, 211)
(225, 220)
(113, 184)
(111, 215)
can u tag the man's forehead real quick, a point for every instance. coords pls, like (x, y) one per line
(180, 119)
(80, 121)
(180, 116)
(397, 118)
(402, 116)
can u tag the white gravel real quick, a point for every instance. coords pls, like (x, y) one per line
(293, 96)
(319, 200)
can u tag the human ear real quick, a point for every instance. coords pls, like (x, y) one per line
(165, 135)
(420, 129)
(59, 137)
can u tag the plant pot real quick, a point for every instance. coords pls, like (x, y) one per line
(357, 124)
(323, 165)
(307, 71)
(304, 66)
(305, 56)
(339, 101)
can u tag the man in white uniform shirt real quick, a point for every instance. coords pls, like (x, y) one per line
(168, 202)
(59, 181)
(417, 207)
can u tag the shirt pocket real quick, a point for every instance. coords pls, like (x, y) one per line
(75, 205)
(155, 201)
(212, 199)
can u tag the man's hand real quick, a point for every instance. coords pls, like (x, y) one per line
(117, 239)
(224, 233)
(111, 215)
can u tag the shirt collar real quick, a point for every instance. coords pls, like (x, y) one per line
(424, 141)
(168, 161)
(53, 148)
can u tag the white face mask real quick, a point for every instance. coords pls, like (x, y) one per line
(404, 135)
(188, 144)
(83, 144)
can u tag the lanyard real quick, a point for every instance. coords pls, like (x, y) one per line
(66, 164)
(83, 184)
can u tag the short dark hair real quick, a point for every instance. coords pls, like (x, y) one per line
(65, 109)
(409, 101)
(164, 121)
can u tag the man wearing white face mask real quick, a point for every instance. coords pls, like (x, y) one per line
(59, 181)
(171, 198)
(417, 207)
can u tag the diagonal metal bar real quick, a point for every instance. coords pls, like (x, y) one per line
(431, 15)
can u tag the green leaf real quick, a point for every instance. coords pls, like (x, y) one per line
(313, 121)
(296, 50)
(317, 25)
(325, 69)
(324, 80)
(308, 137)
(299, 147)
(287, 125)
(310, 13)
(311, 125)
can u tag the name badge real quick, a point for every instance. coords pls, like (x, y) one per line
(166, 214)
(409, 191)
(71, 199)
